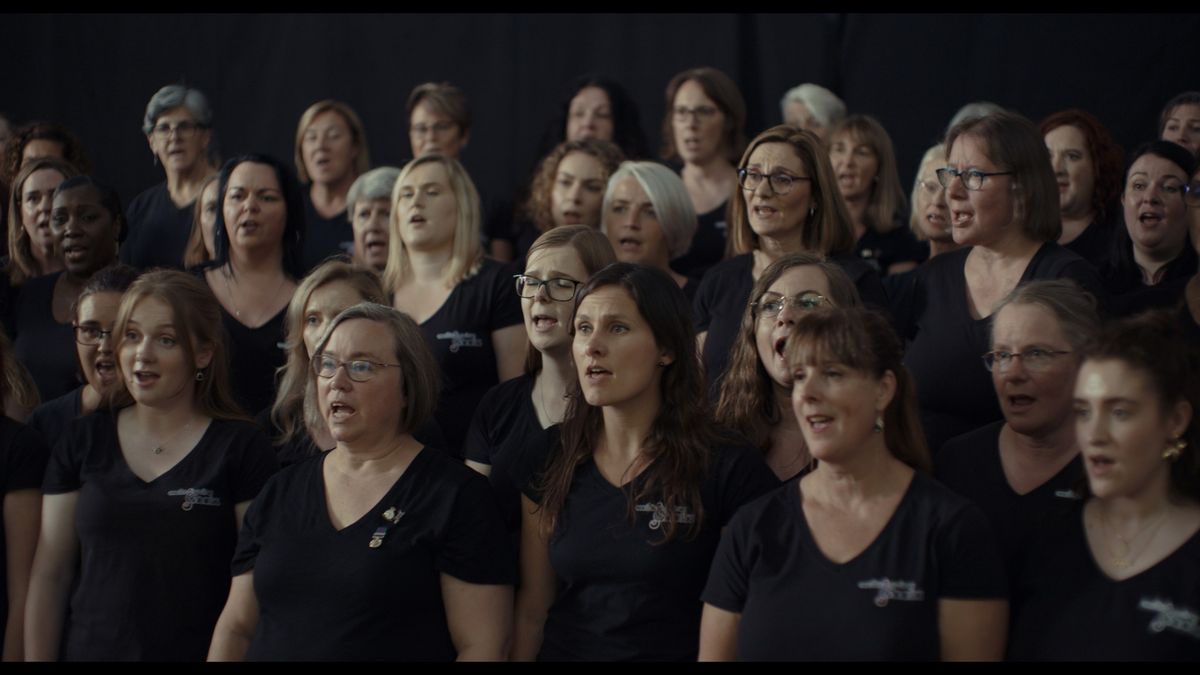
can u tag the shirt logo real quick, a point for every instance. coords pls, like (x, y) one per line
(458, 340)
(1167, 616)
(888, 590)
(682, 515)
(721, 225)
(193, 496)
(1067, 494)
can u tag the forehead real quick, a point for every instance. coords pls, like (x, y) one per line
(851, 136)
(429, 172)
(210, 191)
(580, 163)
(1185, 111)
(592, 96)
(327, 119)
(80, 194)
(100, 306)
(799, 279)
(425, 111)
(1156, 167)
(376, 203)
(559, 258)
(253, 174)
(776, 154)
(1111, 378)
(629, 189)
(42, 147)
(152, 311)
(43, 179)
(692, 93)
(1066, 135)
(176, 114)
(1021, 323)
(338, 295)
(969, 148)
(360, 336)
(611, 299)
(799, 109)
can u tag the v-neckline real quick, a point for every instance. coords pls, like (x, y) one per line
(811, 539)
(376, 510)
(171, 469)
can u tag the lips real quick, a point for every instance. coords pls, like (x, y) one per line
(1020, 402)
(340, 411)
(106, 369)
(594, 374)
(961, 218)
(572, 217)
(1100, 465)
(416, 220)
(543, 322)
(629, 243)
(780, 345)
(1150, 219)
(764, 211)
(145, 378)
(75, 252)
(818, 423)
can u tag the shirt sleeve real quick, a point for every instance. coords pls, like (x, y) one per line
(475, 546)
(25, 461)
(66, 460)
(1084, 274)
(255, 463)
(506, 307)
(253, 525)
(729, 577)
(477, 446)
(743, 477)
(969, 561)
(702, 305)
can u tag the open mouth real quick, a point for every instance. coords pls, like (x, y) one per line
(572, 217)
(1099, 464)
(339, 411)
(416, 220)
(1150, 219)
(1021, 401)
(145, 378)
(594, 373)
(765, 211)
(543, 322)
(818, 423)
(106, 369)
(780, 346)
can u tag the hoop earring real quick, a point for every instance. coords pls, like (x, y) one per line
(199, 375)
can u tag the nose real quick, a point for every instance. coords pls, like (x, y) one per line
(575, 193)
(957, 189)
(1091, 430)
(144, 350)
(593, 345)
(787, 315)
(341, 378)
(105, 346)
(1015, 370)
(939, 196)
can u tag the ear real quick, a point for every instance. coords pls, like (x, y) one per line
(204, 356)
(466, 137)
(1179, 418)
(666, 357)
(150, 142)
(887, 391)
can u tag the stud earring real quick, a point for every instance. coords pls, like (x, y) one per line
(1174, 449)
(878, 427)
(199, 375)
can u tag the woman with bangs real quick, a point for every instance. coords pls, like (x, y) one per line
(866, 557)
(144, 497)
(756, 396)
(864, 165)
(618, 533)
(463, 302)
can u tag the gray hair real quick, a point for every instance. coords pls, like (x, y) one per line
(973, 110)
(1074, 307)
(374, 184)
(672, 205)
(824, 104)
(174, 96)
(935, 154)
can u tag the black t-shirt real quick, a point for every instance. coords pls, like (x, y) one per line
(23, 457)
(254, 356)
(158, 231)
(1131, 296)
(970, 465)
(1094, 244)
(724, 294)
(954, 389)
(797, 605)
(1066, 609)
(460, 336)
(154, 556)
(45, 346)
(52, 418)
(324, 237)
(708, 244)
(897, 245)
(622, 596)
(326, 594)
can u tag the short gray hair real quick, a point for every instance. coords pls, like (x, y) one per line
(374, 184)
(174, 96)
(1074, 307)
(822, 103)
(972, 110)
(672, 205)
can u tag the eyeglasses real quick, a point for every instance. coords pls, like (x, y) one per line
(972, 179)
(183, 130)
(437, 128)
(781, 183)
(90, 336)
(1192, 194)
(559, 289)
(772, 303)
(701, 112)
(359, 370)
(930, 187)
(1033, 359)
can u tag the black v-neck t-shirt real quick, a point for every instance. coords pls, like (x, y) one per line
(254, 356)
(23, 457)
(52, 418)
(954, 389)
(154, 556)
(1066, 609)
(970, 465)
(797, 605)
(622, 595)
(44, 346)
(325, 237)
(460, 336)
(158, 231)
(329, 595)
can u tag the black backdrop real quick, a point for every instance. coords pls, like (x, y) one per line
(95, 73)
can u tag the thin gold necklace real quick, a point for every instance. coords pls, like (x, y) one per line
(237, 311)
(1125, 553)
(158, 449)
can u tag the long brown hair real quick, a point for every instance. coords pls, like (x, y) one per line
(863, 340)
(747, 403)
(195, 252)
(197, 318)
(886, 202)
(682, 436)
(22, 266)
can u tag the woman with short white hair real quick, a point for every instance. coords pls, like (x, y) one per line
(812, 107)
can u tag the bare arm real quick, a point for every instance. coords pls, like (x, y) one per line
(485, 469)
(718, 634)
(510, 344)
(22, 517)
(479, 617)
(53, 572)
(973, 630)
(700, 338)
(536, 593)
(235, 628)
(239, 513)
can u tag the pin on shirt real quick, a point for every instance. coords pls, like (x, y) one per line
(392, 516)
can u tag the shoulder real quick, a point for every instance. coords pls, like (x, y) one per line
(508, 394)
(440, 472)
(237, 431)
(735, 267)
(941, 505)
(1053, 260)
(146, 198)
(967, 447)
(945, 265)
(774, 506)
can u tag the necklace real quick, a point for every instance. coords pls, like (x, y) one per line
(158, 449)
(1125, 552)
(542, 399)
(237, 311)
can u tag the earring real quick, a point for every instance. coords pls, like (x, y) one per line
(1174, 449)
(812, 211)
(662, 364)
(878, 427)
(199, 375)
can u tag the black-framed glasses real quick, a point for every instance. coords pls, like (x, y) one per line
(1033, 359)
(560, 289)
(1191, 194)
(359, 370)
(781, 183)
(972, 179)
(772, 303)
(183, 130)
(90, 336)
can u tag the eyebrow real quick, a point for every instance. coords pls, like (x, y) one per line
(160, 326)
(359, 355)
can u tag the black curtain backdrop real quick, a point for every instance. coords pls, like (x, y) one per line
(95, 73)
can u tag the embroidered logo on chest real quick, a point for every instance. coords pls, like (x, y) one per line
(459, 339)
(887, 590)
(1067, 494)
(194, 496)
(1167, 615)
(683, 516)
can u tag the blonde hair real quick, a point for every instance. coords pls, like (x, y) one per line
(195, 252)
(914, 219)
(467, 255)
(358, 134)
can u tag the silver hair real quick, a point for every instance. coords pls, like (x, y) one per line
(1074, 307)
(973, 110)
(824, 104)
(374, 184)
(672, 205)
(174, 96)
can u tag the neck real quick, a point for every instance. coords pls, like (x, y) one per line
(89, 399)
(330, 198)
(558, 372)
(1073, 226)
(1014, 247)
(1147, 504)
(856, 206)
(167, 420)
(1051, 447)
(716, 169)
(184, 184)
(429, 266)
(937, 248)
(258, 262)
(774, 248)
(627, 426)
(1153, 262)
(374, 457)
(783, 401)
(868, 474)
